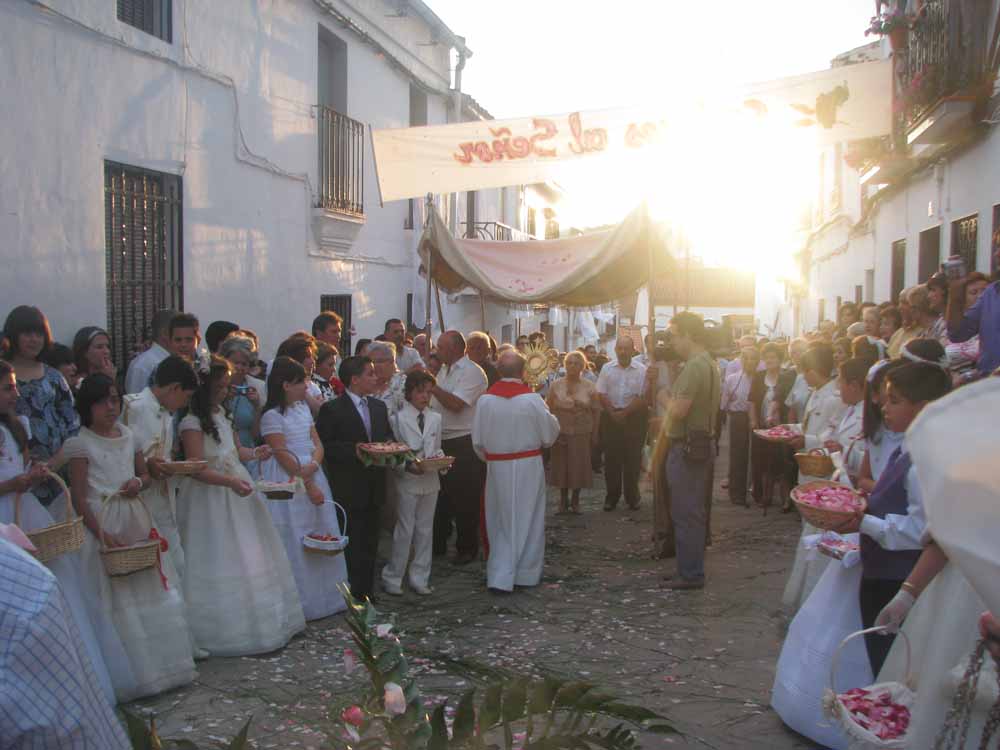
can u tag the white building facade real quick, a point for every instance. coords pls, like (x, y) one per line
(889, 213)
(214, 156)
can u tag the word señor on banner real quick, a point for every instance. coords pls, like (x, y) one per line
(540, 144)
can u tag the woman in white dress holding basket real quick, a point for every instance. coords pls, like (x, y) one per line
(831, 612)
(107, 474)
(100, 640)
(297, 454)
(823, 412)
(240, 593)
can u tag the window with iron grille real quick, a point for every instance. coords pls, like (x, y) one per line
(152, 16)
(340, 304)
(930, 254)
(898, 279)
(964, 238)
(143, 253)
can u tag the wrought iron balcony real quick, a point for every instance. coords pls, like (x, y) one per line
(494, 230)
(944, 61)
(341, 162)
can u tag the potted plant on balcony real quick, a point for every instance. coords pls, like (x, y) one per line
(891, 23)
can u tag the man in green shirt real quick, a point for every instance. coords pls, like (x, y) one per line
(692, 412)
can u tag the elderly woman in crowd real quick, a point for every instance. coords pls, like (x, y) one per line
(389, 381)
(246, 393)
(573, 400)
(301, 347)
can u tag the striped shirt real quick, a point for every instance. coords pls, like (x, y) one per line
(49, 696)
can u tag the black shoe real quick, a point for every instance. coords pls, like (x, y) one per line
(610, 506)
(499, 592)
(633, 506)
(464, 558)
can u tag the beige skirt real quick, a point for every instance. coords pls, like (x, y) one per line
(569, 463)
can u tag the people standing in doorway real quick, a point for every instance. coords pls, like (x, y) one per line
(621, 388)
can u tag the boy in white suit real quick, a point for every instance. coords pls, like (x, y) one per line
(420, 428)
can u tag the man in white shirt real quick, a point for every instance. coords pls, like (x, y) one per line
(407, 358)
(510, 428)
(142, 367)
(460, 384)
(621, 387)
(735, 406)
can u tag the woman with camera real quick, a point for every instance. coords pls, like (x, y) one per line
(246, 392)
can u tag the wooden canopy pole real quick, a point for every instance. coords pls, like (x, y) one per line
(427, 297)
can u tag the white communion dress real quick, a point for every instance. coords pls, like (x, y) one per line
(99, 638)
(240, 593)
(147, 610)
(830, 613)
(943, 628)
(824, 411)
(316, 575)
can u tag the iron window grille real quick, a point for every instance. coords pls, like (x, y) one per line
(341, 162)
(964, 238)
(155, 17)
(143, 253)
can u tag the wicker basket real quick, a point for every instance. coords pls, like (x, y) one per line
(825, 518)
(330, 548)
(272, 493)
(183, 468)
(814, 464)
(59, 538)
(123, 561)
(437, 464)
(901, 693)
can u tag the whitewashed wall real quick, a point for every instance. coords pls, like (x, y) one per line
(954, 187)
(81, 87)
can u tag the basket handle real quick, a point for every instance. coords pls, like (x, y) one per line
(104, 509)
(294, 458)
(876, 629)
(338, 506)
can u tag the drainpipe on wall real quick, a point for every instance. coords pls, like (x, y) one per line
(457, 108)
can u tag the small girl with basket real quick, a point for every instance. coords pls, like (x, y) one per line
(240, 594)
(297, 454)
(107, 474)
(99, 639)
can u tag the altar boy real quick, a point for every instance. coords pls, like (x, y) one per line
(420, 428)
(149, 415)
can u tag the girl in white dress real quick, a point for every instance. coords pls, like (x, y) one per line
(100, 640)
(822, 415)
(240, 594)
(880, 441)
(287, 426)
(108, 473)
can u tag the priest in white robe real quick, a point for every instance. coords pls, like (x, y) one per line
(511, 426)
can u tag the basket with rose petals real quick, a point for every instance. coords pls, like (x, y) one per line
(877, 716)
(322, 541)
(780, 434)
(827, 505)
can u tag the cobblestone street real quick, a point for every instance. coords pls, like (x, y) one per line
(703, 659)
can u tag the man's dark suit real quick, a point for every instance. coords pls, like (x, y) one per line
(359, 489)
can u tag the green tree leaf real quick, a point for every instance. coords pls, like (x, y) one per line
(515, 696)
(489, 711)
(465, 717)
(239, 742)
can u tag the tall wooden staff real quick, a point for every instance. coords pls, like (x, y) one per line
(430, 255)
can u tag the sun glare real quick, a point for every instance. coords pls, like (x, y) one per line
(736, 186)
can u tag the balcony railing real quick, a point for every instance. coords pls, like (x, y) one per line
(341, 162)
(494, 230)
(945, 57)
